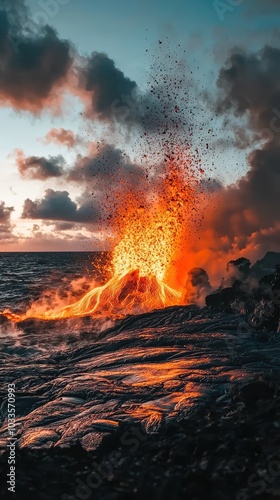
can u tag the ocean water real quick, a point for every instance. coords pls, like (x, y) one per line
(25, 276)
(78, 379)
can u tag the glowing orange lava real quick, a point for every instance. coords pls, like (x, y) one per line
(149, 237)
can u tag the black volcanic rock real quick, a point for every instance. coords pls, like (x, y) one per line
(222, 450)
(276, 279)
(221, 301)
(259, 300)
(255, 391)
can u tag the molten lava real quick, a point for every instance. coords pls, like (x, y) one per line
(149, 237)
(122, 295)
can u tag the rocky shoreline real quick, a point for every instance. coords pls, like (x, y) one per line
(180, 403)
(227, 448)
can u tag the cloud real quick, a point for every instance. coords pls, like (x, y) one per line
(250, 86)
(63, 137)
(61, 225)
(109, 183)
(64, 226)
(243, 218)
(5, 213)
(37, 68)
(55, 243)
(105, 83)
(250, 205)
(38, 167)
(6, 227)
(34, 61)
(105, 164)
(58, 206)
(105, 169)
(107, 176)
(114, 98)
(113, 180)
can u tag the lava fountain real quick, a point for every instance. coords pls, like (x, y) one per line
(150, 236)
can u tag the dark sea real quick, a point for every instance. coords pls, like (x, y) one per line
(25, 276)
(77, 380)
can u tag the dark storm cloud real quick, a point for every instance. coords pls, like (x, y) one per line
(108, 165)
(33, 62)
(57, 205)
(112, 179)
(40, 168)
(157, 110)
(35, 69)
(250, 84)
(112, 97)
(254, 202)
(100, 164)
(250, 87)
(106, 83)
(104, 175)
(153, 111)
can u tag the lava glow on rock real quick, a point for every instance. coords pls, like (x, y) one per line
(150, 237)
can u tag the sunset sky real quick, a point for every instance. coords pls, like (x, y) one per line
(64, 73)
